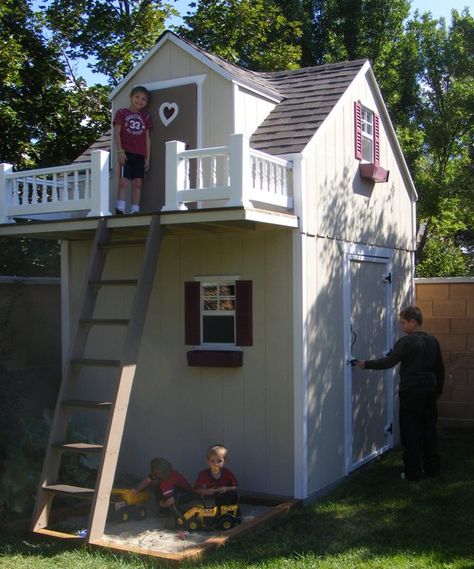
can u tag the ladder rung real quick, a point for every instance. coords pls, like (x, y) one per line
(82, 403)
(73, 491)
(95, 362)
(105, 322)
(79, 447)
(116, 282)
(60, 534)
(124, 243)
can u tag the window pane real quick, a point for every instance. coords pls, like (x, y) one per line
(228, 304)
(218, 329)
(210, 304)
(210, 290)
(367, 121)
(227, 290)
(367, 149)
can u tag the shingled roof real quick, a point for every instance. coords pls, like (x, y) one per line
(306, 97)
(309, 94)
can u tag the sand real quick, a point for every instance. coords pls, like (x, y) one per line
(150, 533)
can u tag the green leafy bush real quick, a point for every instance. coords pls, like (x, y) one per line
(23, 462)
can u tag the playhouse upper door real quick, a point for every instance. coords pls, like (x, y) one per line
(174, 114)
(370, 391)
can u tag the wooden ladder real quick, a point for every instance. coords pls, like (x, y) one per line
(124, 371)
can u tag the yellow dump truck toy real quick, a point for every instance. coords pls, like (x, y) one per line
(126, 504)
(214, 517)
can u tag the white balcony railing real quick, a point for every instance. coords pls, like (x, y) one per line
(226, 176)
(63, 189)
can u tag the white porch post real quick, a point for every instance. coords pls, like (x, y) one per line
(239, 170)
(174, 175)
(99, 184)
(5, 192)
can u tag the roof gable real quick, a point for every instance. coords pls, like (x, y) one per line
(305, 97)
(250, 79)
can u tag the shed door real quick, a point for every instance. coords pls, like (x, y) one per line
(369, 393)
(174, 114)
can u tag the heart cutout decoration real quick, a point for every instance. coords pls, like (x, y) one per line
(168, 112)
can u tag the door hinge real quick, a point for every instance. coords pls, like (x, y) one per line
(387, 278)
(388, 429)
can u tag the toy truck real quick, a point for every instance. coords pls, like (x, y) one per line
(126, 504)
(202, 517)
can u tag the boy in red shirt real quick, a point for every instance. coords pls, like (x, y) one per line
(217, 480)
(132, 139)
(173, 491)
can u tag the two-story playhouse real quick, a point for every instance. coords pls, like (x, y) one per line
(275, 243)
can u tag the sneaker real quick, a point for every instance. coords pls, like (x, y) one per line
(119, 212)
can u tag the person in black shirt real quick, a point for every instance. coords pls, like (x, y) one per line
(421, 383)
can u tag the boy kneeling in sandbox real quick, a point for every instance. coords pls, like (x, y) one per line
(174, 494)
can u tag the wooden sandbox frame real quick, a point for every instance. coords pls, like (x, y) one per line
(279, 507)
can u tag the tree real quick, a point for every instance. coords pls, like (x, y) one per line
(115, 33)
(252, 33)
(444, 169)
(47, 116)
(31, 75)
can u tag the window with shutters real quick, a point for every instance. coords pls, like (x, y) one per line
(367, 143)
(218, 318)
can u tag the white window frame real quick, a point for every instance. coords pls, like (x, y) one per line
(217, 280)
(367, 123)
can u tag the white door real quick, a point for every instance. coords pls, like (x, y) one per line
(368, 331)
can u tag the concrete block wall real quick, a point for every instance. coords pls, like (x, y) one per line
(448, 309)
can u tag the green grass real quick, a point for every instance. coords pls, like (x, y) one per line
(373, 520)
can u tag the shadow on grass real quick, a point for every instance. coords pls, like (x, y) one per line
(378, 514)
(384, 521)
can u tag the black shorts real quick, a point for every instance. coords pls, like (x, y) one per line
(134, 166)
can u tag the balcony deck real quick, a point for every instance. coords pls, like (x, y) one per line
(220, 188)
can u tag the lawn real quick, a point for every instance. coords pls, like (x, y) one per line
(373, 520)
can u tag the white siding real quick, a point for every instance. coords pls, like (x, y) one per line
(341, 207)
(171, 62)
(250, 111)
(177, 411)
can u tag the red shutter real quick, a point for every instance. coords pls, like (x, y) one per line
(243, 313)
(192, 313)
(358, 129)
(376, 140)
